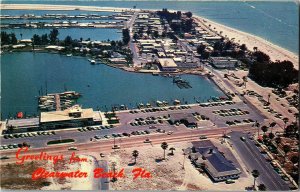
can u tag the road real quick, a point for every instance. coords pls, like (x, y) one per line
(126, 118)
(104, 181)
(105, 145)
(253, 159)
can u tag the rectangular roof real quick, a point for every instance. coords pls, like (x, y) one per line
(166, 62)
(64, 115)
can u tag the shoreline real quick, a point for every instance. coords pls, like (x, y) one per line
(274, 51)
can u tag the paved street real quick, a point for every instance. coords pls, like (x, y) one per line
(254, 160)
(126, 118)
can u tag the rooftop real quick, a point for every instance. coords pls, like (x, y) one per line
(67, 114)
(166, 62)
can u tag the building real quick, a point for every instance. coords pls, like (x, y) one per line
(73, 117)
(185, 118)
(70, 118)
(214, 163)
(167, 64)
(224, 62)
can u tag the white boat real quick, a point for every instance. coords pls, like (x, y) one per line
(69, 55)
(93, 61)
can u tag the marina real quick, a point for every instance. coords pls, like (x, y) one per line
(58, 101)
(102, 86)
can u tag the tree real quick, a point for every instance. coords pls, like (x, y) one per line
(255, 174)
(5, 39)
(44, 39)
(262, 187)
(135, 36)
(172, 149)
(36, 39)
(272, 125)
(155, 34)
(285, 120)
(13, 39)
(164, 146)
(53, 36)
(135, 154)
(271, 135)
(113, 44)
(264, 129)
(243, 47)
(189, 14)
(201, 49)
(286, 149)
(126, 36)
(278, 140)
(295, 159)
(290, 130)
(68, 41)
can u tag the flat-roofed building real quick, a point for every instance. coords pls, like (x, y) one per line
(167, 64)
(70, 118)
(224, 62)
(186, 118)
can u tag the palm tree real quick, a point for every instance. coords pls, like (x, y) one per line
(164, 146)
(172, 149)
(135, 154)
(262, 187)
(264, 129)
(272, 125)
(255, 174)
(278, 140)
(286, 149)
(269, 95)
(285, 120)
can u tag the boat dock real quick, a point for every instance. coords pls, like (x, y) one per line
(58, 101)
(182, 84)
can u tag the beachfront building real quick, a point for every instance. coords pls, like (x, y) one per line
(72, 117)
(224, 62)
(167, 64)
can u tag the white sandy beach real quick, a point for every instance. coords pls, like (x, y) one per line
(275, 52)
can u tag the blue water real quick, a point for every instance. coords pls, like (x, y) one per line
(75, 33)
(277, 22)
(23, 75)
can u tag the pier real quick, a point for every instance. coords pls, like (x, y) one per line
(57, 102)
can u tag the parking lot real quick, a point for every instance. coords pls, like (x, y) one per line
(141, 122)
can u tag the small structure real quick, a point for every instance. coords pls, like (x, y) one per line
(185, 118)
(214, 163)
(167, 64)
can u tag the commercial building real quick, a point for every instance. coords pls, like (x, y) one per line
(214, 163)
(72, 117)
(186, 118)
(224, 62)
(167, 64)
